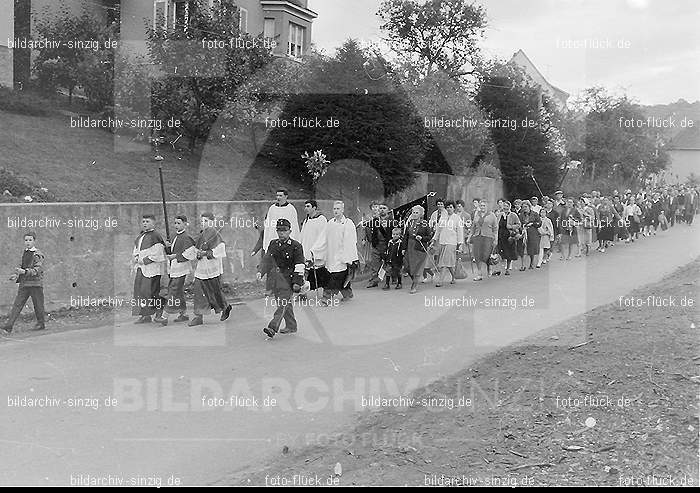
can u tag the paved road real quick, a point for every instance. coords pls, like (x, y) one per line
(306, 387)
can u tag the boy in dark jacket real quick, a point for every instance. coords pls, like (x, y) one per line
(393, 259)
(29, 275)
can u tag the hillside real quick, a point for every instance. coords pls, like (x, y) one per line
(92, 165)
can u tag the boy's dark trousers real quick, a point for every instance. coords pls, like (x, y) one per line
(284, 300)
(393, 273)
(23, 294)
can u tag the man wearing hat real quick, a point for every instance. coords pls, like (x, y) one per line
(283, 264)
(535, 205)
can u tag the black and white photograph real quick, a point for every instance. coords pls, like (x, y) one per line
(337, 243)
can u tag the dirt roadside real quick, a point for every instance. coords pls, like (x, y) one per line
(619, 408)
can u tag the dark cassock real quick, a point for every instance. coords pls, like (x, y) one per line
(149, 257)
(207, 287)
(184, 249)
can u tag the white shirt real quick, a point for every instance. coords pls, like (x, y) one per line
(450, 230)
(313, 239)
(341, 238)
(157, 256)
(211, 268)
(275, 212)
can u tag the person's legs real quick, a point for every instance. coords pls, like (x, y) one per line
(452, 273)
(17, 306)
(375, 265)
(37, 294)
(201, 303)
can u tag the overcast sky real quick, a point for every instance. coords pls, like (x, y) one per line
(657, 61)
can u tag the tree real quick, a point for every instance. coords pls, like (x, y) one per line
(435, 35)
(523, 150)
(619, 144)
(202, 63)
(376, 123)
(453, 123)
(79, 55)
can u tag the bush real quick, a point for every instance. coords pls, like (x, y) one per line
(15, 189)
(20, 103)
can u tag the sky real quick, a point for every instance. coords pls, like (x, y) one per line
(649, 49)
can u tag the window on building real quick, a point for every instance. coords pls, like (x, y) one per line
(296, 40)
(182, 11)
(243, 20)
(160, 14)
(269, 28)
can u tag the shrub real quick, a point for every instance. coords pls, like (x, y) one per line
(20, 103)
(18, 189)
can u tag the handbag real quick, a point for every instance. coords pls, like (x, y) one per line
(460, 271)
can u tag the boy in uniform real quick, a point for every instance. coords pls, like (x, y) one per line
(284, 265)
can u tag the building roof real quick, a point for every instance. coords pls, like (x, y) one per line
(560, 92)
(688, 138)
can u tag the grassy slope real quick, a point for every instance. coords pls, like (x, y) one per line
(47, 152)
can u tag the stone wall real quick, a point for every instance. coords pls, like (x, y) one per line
(88, 246)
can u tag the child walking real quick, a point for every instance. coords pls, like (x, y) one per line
(29, 275)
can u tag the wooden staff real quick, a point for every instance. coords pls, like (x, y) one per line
(165, 209)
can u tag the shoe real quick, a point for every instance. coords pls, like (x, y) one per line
(288, 331)
(398, 286)
(197, 320)
(40, 326)
(345, 300)
(182, 318)
(372, 285)
(144, 320)
(161, 320)
(413, 291)
(269, 332)
(6, 329)
(537, 266)
(523, 269)
(507, 272)
(438, 285)
(226, 313)
(387, 287)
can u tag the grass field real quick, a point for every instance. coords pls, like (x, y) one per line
(92, 165)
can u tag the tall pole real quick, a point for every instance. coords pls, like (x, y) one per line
(165, 209)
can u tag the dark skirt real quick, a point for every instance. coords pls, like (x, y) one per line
(208, 295)
(507, 249)
(415, 260)
(318, 277)
(606, 233)
(533, 242)
(634, 225)
(482, 247)
(146, 295)
(176, 296)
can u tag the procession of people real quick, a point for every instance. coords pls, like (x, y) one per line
(322, 253)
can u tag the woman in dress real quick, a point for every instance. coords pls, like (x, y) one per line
(531, 223)
(508, 227)
(416, 238)
(634, 219)
(606, 215)
(546, 237)
(449, 236)
(568, 221)
(484, 238)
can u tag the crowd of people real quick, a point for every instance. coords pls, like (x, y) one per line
(324, 254)
(523, 234)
